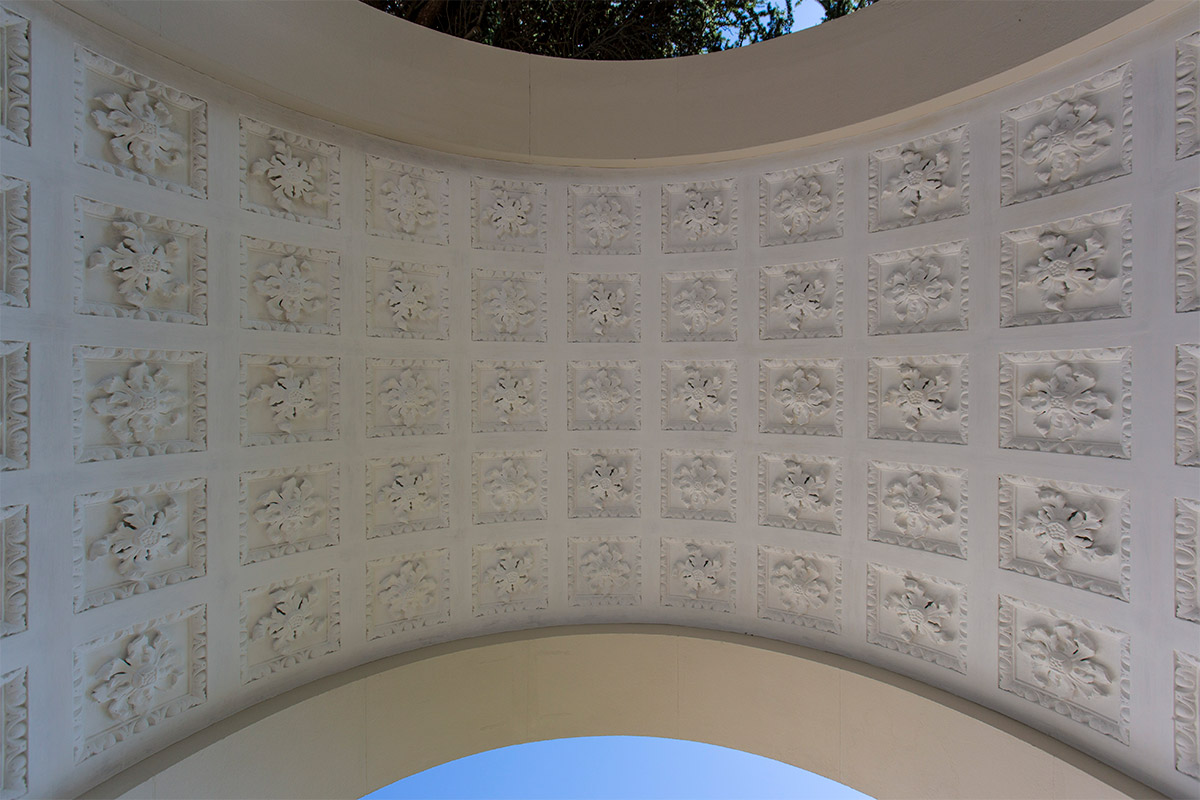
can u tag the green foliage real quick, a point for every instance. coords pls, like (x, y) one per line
(840, 8)
(603, 29)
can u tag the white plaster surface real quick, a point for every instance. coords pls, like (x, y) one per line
(433, 349)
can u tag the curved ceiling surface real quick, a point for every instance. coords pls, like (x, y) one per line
(282, 396)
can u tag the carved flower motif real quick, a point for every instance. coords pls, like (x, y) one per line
(140, 404)
(802, 298)
(140, 130)
(701, 217)
(290, 620)
(604, 569)
(408, 397)
(918, 289)
(410, 493)
(1064, 661)
(509, 486)
(1064, 529)
(1072, 138)
(509, 214)
(918, 505)
(801, 205)
(919, 395)
(290, 177)
(920, 615)
(700, 392)
(802, 397)
(698, 306)
(510, 395)
(509, 307)
(129, 684)
(603, 395)
(922, 177)
(605, 482)
(409, 590)
(603, 222)
(288, 289)
(700, 574)
(290, 396)
(1065, 267)
(1067, 403)
(288, 511)
(144, 536)
(511, 574)
(799, 585)
(603, 305)
(408, 300)
(800, 488)
(407, 204)
(698, 483)
(141, 267)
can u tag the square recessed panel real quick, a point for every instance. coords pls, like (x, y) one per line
(604, 220)
(918, 290)
(920, 615)
(286, 174)
(919, 506)
(405, 201)
(699, 217)
(699, 574)
(699, 306)
(923, 180)
(801, 301)
(803, 204)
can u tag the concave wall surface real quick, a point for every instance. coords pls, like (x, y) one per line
(281, 397)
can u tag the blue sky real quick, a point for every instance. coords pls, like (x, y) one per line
(805, 14)
(612, 768)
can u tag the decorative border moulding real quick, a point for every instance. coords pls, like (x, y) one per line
(137, 533)
(1073, 533)
(140, 292)
(138, 399)
(926, 289)
(609, 222)
(928, 505)
(1072, 666)
(151, 104)
(604, 570)
(802, 204)
(415, 500)
(290, 505)
(1187, 559)
(510, 577)
(699, 574)
(296, 610)
(800, 492)
(407, 591)
(800, 588)
(413, 395)
(14, 105)
(1187, 250)
(296, 393)
(1187, 711)
(808, 397)
(1047, 144)
(923, 180)
(15, 408)
(929, 395)
(514, 220)
(917, 615)
(699, 306)
(295, 289)
(1187, 405)
(14, 768)
(1187, 96)
(801, 301)
(1064, 393)
(401, 206)
(699, 217)
(14, 241)
(14, 569)
(111, 681)
(416, 296)
(514, 491)
(277, 181)
(1069, 270)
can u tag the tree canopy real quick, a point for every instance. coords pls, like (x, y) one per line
(610, 29)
